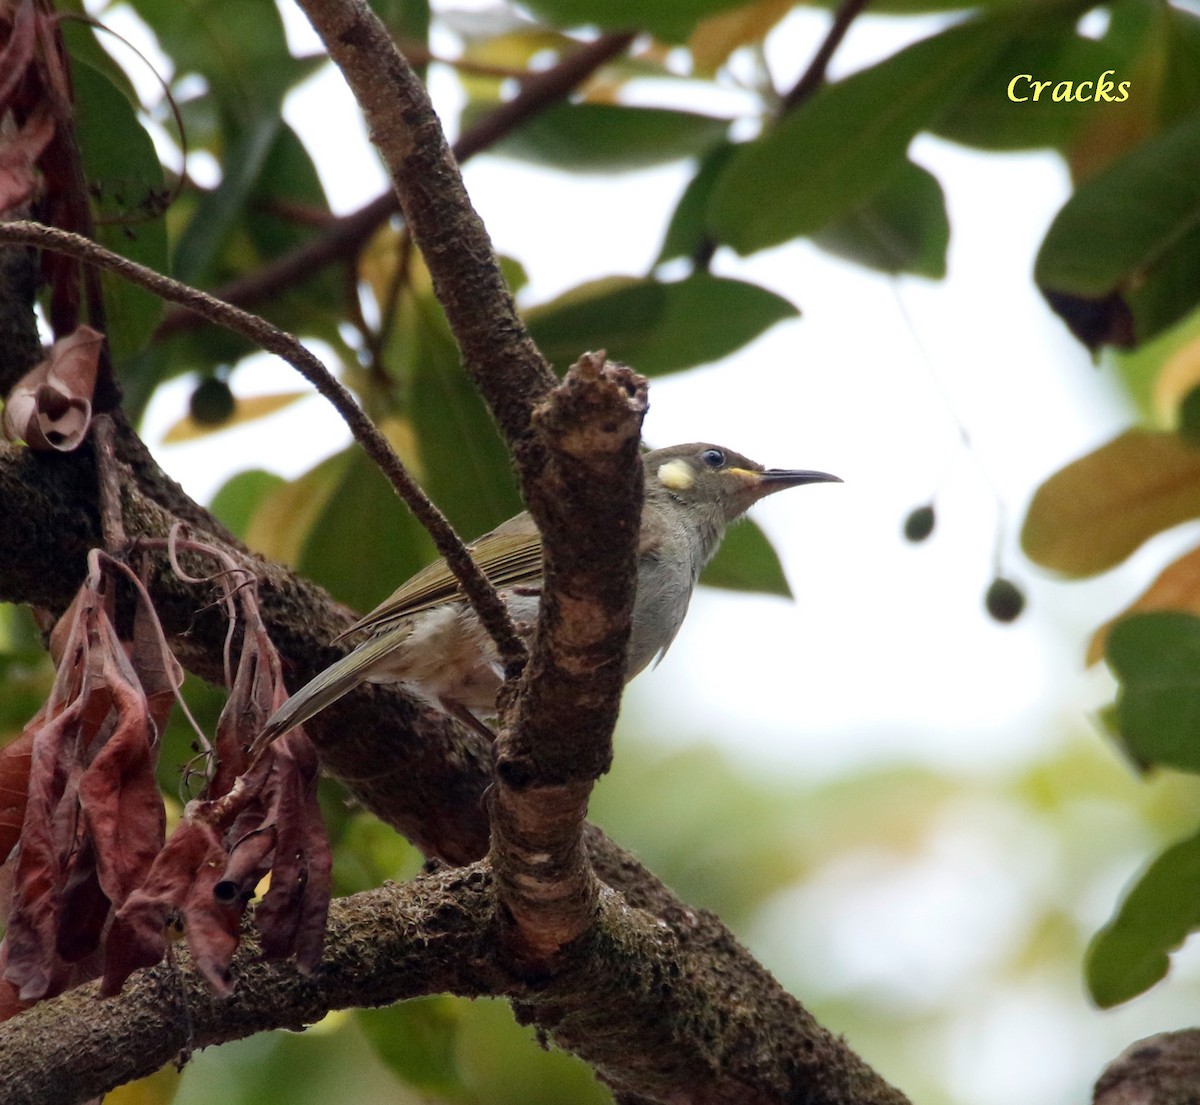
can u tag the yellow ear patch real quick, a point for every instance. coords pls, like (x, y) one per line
(676, 475)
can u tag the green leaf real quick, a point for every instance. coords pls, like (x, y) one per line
(1156, 657)
(902, 228)
(219, 210)
(688, 229)
(747, 561)
(308, 523)
(1090, 516)
(418, 1040)
(126, 183)
(239, 497)
(608, 138)
(829, 156)
(667, 19)
(987, 117)
(240, 49)
(466, 466)
(1121, 261)
(656, 327)
(1130, 954)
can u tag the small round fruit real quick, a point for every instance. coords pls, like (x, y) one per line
(212, 402)
(919, 524)
(1004, 600)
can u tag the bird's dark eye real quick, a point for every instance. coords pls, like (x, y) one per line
(714, 458)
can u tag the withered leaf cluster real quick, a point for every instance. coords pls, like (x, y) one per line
(95, 887)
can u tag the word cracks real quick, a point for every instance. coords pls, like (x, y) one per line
(1023, 87)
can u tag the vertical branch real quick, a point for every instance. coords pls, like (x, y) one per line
(507, 368)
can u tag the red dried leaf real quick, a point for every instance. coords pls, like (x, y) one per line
(18, 158)
(249, 860)
(212, 927)
(85, 907)
(292, 916)
(158, 672)
(10, 1003)
(17, 53)
(14, 787)
(137, 937)
(32, 935)
(50, 408)
(118, 792)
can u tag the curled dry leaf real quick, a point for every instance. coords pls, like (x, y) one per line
(93, 819)
(95, 887)
(253, 819)
(51, 405)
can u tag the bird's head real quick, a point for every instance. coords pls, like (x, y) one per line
(717, 482)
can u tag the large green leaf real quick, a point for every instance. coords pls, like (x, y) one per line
(903, 227)
(342, 525)
(239, 48)
(1121, 261)
(239, 497)
(609, 138)
(126, 184)
(747, 561)
(687, 233)
(1130, 954)
(653, 326)
(220, 210)
(418, 1040)
(465, 464)
(1156, 657)
(828, 157)
(1090, 516)
(668, 19)
(999, 111)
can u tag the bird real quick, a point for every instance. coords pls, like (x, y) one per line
(425, 635)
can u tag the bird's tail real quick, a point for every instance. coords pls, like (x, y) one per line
(325, 689)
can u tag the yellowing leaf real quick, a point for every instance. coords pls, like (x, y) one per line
(716, 37)
(1176, 588)
(245, 410)
(282, 522)
(1095, 512)
(1179, 375)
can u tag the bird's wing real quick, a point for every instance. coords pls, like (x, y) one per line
(506, 557)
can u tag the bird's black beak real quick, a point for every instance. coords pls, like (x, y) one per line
(758, 484)
(776, 479)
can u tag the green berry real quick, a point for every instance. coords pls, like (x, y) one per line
(212, 402)
(1004, 600)
(919, 524)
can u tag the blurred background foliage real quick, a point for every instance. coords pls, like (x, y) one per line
(1120, 264)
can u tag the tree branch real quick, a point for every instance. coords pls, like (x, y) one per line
(658, 1012)
(479, 592)
(814, 76)
(556, 740)
(346, 236)
(507, 368)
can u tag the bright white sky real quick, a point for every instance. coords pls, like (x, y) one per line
(886, 652)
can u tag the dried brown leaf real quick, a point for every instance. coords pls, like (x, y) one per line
(18, 158)
(50, 408)
(15, 759)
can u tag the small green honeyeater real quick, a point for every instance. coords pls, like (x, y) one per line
(426, 636)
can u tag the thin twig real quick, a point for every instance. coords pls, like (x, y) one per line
(479, 592)
(814, 76)
(345, 236)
